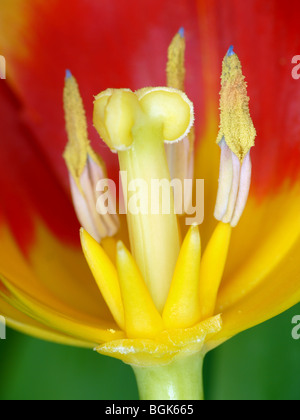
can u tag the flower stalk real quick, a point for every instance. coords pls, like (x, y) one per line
(179, 380)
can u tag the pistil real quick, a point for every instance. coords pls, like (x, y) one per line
(136, 126)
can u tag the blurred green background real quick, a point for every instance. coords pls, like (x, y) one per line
(260, 364)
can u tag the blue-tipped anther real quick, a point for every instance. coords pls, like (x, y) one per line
(181, 32)
(68, 74)
(230, 52)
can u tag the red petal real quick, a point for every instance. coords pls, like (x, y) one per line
(265, 35)
(28, 188)
(104, 44)
(113, 43)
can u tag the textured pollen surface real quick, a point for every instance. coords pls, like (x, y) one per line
(78, 148)
(175, 65)
(236, 125)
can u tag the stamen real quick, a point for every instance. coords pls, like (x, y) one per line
(234, 188)
(175, 66)
(225, 181)
(236, 138)
(85, 167)
(230, 52)
(236, 126)
(180, 156)
(77, 148)
(244, 187)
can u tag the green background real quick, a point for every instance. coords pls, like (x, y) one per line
(260, 364)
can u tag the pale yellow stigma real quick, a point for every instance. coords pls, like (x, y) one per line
(236, 125)
(120, 113)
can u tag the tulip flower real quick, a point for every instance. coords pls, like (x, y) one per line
(146, 288)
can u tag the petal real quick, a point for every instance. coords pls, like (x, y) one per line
(105, 275)
(182, 306)
(166, 347)
(38, 52)
(27, 186)
(96, 332)
(38, 228)
(266, 235)
(267, 65)
(262, 273)
(23, 323)
(275, 294)
(56, 274)
(142, 319)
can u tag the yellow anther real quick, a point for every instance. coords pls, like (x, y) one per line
(236, 125)
(105, 275)
(180, 155)
(142, 320)
(78, 148)
(212, 268)
(175, 65)
(182, 309)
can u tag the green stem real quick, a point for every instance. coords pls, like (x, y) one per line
(179, 380)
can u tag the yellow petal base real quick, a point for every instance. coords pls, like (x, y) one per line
(168, 346)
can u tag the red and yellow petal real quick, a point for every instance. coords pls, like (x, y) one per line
(93, 41)
(40, 40)
(17, 320)
(274, 97)
(266, 240)
(278, 291)
(76, 325)
(39, 234)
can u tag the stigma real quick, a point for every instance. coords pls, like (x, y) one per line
(236, 138)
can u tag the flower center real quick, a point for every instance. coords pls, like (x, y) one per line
(163, 283)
